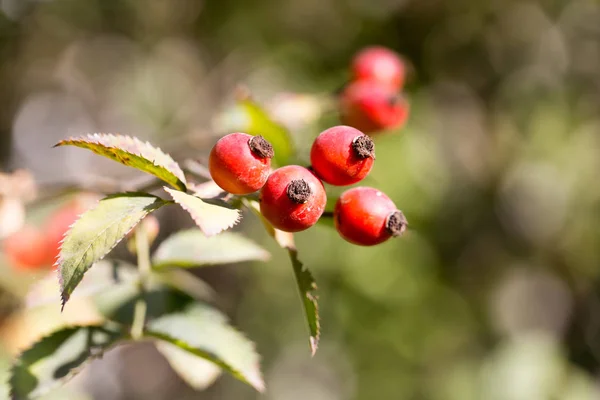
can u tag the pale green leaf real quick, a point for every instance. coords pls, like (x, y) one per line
(192, 248)
(212, 218)
(134, 153)
(97, 231)
(197, 372)
(58, 357)
(206, 333)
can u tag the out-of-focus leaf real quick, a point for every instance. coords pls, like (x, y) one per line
(119, 304)
(192, 248)
(307, 288)
(304, 279)
(187, 283)
(97, 231)
(196, 371)
(105, 275)
(134, 153)
(58, 357)
(206, 333)
(262, 124)
(211, 218)
(249, 117)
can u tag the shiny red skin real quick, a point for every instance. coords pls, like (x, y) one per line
(360, 216)
(27, 249)
(371, 108)
(283, 213)
(334, 160)
(380, 64)
(235, 168)
(59, 224)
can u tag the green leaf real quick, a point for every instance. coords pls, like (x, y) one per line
(206, 333)
(212, 218)
(96, 232)
(134, 153)
(58, 357)
(186, 282)
(307, 288)
(248, 116)
(304, 279)
(192, 248)
(119, 304)
(197, 372)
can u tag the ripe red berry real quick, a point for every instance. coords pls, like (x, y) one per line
(379, 64)
(293, 199)
(365, 216)
(342, 155)
(240, 163)
(27, 249)
(370, 107)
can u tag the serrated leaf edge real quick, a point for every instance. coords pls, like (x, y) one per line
(310, 295)
(91, 137)
(196, 220)
(213, 358)
(65, 297)
(293, 253)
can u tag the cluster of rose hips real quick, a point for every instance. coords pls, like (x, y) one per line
(293, 198)
(372, 101)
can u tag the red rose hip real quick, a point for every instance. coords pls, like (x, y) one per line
(27, 249)
(370, 107)
(293, 199)
(380, 64)
(240, 163)
(342, 155)
(366, 216)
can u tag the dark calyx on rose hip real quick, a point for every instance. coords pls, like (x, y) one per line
(364, 147)
(261, 147)
(298, 191)
(396, 223)
(293, 198)
(342, 155)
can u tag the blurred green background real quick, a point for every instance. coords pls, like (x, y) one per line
(494, 293)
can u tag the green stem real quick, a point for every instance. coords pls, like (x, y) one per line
(144, 267)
